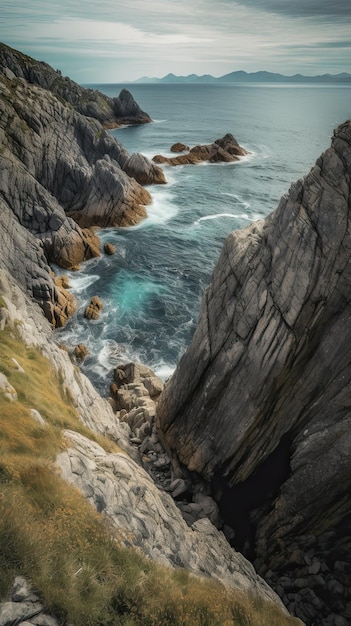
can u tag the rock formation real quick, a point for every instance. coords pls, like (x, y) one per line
(111, 112)
(57, 164)
(260, 403)
(224, 150)
(115, 483)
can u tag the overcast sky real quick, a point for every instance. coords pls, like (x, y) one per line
(96, 41)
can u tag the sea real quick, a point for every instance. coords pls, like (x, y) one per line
(152, 287)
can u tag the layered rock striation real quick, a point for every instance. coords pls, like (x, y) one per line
(260, 403)
(61, 173)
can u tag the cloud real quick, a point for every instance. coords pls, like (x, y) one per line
(328, 9)
(161, 36)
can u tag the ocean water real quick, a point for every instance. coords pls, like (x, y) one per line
(152, 287)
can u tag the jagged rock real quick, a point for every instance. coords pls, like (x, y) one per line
(24, 608)
(80, 352)
(150, 518)
(225, 150)
(59, 169)
(92, 311)
(112, 112)
(265, 414)
(139, 167)
(94, 411)
(109, 249)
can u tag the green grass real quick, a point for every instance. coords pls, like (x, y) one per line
(80, 567)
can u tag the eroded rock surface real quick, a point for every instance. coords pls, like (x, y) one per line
(61, 173)
(149, 518)
(260, 403)
(224, 150)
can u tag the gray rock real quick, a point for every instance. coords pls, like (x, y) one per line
(260, 401)
(150, 518)
(94, 411)
(7, 389)
(56, 164)
(21, 591)
(16, 612)
(109, 111)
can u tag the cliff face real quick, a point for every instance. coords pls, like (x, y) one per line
(111, 112)
(260, 403)
(57, 164)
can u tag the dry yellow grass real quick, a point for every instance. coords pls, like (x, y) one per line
(51, 535)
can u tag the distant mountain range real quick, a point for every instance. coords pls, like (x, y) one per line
(245, 77)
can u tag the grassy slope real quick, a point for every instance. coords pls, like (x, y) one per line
(51, 535)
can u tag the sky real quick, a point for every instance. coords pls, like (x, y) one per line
(108, 41)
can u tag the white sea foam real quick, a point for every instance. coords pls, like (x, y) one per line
(163, 370)
(237, 198)
(162, 209)
(205, 218)
(81, 283)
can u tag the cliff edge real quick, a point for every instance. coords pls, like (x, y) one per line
(260, 403)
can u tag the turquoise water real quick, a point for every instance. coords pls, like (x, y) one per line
(152, 287)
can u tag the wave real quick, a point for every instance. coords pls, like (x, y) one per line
(237, 198)
(205, 218)
(80, 283)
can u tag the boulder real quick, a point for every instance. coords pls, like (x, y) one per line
(109, 249)
(260, 405)
(179, 147)
(80, 352)
(92, 311)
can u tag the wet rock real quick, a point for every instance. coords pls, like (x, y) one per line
(80, 352)
(224, 150)
(93, 310)
(109, 249)
(179, 147)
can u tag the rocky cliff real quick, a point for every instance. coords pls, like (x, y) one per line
(113, 482)
(111, 112)
(260, 403)
(61, 173)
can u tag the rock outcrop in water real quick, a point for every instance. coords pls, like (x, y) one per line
(260, 403)
(224, 150)
(61, 173)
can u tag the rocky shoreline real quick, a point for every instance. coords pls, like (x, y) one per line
(62, 174)
(251, 450)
